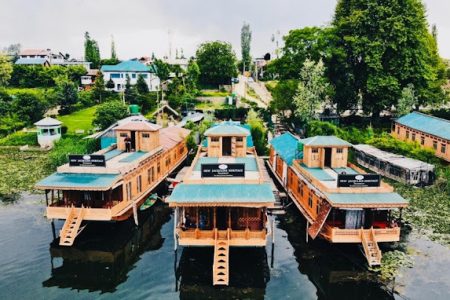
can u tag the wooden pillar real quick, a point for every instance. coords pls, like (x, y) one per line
(246, 217)
(229, 217)
(46, 197)
(53, 196)
(197, 217)
(215, 212)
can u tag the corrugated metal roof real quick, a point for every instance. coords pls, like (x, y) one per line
(368, 199)
(78, 181)
(327, 140)
(428, 124)
(170, 136)
(128, 66)
(286, 146)
(225, 193)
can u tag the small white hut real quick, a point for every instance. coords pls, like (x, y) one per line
(48, 131)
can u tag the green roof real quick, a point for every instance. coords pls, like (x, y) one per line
(250, 162)
(428, 124)
(287, 146)
(227, 128)
(328, 140)
(78, 181)
(128, 66)
(222, 193)
(366, 199)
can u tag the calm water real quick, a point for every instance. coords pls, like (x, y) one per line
(121, 260)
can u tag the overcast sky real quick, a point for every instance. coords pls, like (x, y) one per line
(141, 27)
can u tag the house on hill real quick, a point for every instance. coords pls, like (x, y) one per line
(429, 131)
(133, 68)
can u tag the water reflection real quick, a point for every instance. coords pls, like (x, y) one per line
(104, 253)
(249, 274)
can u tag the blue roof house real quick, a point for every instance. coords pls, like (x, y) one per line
(133, 68)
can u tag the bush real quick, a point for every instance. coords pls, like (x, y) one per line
(30, 107)
(20, 138)
(71, 144)
(108, 113)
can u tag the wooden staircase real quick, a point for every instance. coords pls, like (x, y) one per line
(324, 211)
(371, 249)
(71, 227)
(221, 263)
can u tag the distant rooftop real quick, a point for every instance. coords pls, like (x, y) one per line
(426, 123)
(128, 66)
(329, 140)
(137, 125)
(48, 122)
(31, 52)
(31, 61)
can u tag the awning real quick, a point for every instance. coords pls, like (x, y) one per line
(366, 200)
(78, 181)
(252, 195)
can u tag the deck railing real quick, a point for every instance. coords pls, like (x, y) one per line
(339, 235)
(229, 233)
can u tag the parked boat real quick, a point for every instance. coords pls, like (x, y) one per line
(111, 184)
(341, 202)
(223, 199)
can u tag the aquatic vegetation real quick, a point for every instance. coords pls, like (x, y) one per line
(391, 264)
(20, 138)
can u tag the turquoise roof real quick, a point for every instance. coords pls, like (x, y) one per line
(132, 157)
(227, 128)
(428, 124)
(346, 170)
(327, 140)
(78, 181)
(319, 173)
(31, 61)
(222, 193)
(286, 146)
(250, 162)
(244, 126)
(128, 66)
(112, 154)
(368, 199)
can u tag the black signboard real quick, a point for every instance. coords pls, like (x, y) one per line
(223, 170)
(87, 161)
(358, 180)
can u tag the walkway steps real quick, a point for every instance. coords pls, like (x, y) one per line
(71, 227)
(221, 263)
(324, 211)
(371, 249)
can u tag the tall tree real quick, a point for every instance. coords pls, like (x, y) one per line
(66, 94)
(6, 70)
(91, 51)
(407, 101)
(141, 85)
(113, 49)
(312, 90)
(108, 113)
(98, 90)
(246, 39)
(217, 62)
(380, 49)
(192, 74)
(130, 93)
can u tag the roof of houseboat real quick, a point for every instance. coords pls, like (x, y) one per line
(138, 125)
(286, 145)
(327, 140)
(227, 128)
(366, 199)
(222, 194)
(428, 124)
(79, 180)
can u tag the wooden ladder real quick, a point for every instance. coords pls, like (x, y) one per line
(221, 264)
(71, 227)
(324, 211)
(371, 249)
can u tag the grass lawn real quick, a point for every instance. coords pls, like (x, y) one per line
(213, 93)
(210, 105)
(79, 120)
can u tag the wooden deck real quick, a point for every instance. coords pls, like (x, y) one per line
(238, 238)
(337, 235)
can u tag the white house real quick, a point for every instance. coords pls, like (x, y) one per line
(48, 131)
(133, 68)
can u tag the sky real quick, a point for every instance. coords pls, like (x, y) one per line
(143, 27)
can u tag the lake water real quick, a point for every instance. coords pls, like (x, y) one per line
(124, 261)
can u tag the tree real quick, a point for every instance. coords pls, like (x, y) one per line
(6, 70)
(13, 51)
(98, 90)
(141, 85)
(130, 93)
(380, 49)
(91, 51)
(246, 39)
(407, 101)
(113, 50)
(258, 131)
(108, 113)
(29, 106)
(162, 69)
(283, 96)
(110, 84)
(217, 63)
(312, 90)
(192, 74)
(66, 94)
(6, 102)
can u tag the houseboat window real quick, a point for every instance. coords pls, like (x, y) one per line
(128, 187)
(315, 150)
(422, 140)
(145, 135)
(139, 184)
(181, 150)
(398, 129)
(339, 150)
(300, 188)
(413, 136)
(407, 134)
(123, 134)
(310, 199)
(158, 168)
(434, 145)
(443, 148)
(239, 139)
(214, 139)
(150, 174)
(317, 208)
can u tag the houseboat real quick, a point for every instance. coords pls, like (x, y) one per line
(223, 199)
(111, 184)
(341, 202)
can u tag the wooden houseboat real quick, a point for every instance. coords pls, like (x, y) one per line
(340, 202)
(223, 199)
(111, 184)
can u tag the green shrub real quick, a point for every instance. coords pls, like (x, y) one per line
(20, 138)
(71, 144)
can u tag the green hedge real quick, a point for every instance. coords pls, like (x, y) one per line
(20, 138)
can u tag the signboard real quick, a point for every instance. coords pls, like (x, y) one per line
(358, 180)
(87, 161)
(223, 170)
